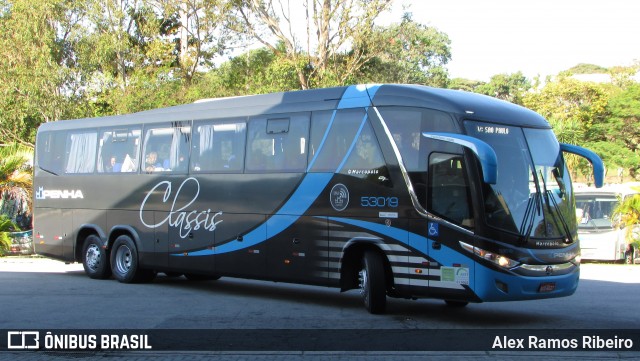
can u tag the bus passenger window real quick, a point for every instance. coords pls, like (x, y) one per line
(218, 146)
(166, 149)
(332, 135)
(449, 193)
(365, 160)
(50, 150)
(81, 152)
(118, 151)
(278, 143)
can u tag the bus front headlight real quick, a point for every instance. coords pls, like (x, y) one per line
(500, 260)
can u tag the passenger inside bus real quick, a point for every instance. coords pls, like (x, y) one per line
(152, 164)
(114, 166)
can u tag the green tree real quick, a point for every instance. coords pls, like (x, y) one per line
(6, 226)
(201, 30)
(628, 211)
(335, 44)
(35, 68)
(572, 107)
(567, 98)
(509, 87)
(16, 181)
(622, 126)
(464, 84)
(583, 68)
(408, 52)
(257, 72)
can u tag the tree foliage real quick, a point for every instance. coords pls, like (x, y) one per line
(509, 87)
(34, 71)
(338, 40)
(15, 181)
(411, 53)
(628, 211)
(65, 59)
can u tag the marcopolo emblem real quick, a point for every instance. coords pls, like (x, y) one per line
(339, 197)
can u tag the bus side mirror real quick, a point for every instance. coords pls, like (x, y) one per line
(484, 152)
(593, 158)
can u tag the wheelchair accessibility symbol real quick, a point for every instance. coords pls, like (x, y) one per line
(434, 231)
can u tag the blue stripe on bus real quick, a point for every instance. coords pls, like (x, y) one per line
(358, 96)
(309, 189)
(307, 192)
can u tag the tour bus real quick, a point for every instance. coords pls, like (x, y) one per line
(394, 190)
(602, 236)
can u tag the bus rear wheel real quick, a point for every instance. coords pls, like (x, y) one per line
(95, 258)
(124, 262)
(372, 282)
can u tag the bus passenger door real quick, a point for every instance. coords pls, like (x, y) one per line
(450, 224)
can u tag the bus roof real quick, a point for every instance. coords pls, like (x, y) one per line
(623, 190)
(468, 105)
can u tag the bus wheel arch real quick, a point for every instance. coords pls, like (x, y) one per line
(84, 232)
(95, 257)
(125, 261)
(365, 267)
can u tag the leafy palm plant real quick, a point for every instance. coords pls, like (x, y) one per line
(6, 226)
(628, 211)
(16, 180)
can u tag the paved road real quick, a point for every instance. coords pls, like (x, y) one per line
(49, 295)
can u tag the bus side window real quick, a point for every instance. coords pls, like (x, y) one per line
(166, 149)
(330, 146)
(366, 160)
(218, 146)
(81, 152)
(50, 151)
(118, 151)
(278, 143)
(449, 193)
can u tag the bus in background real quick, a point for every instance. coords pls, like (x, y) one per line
(394, 190)
(602, 236)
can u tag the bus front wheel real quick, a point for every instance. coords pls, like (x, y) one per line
(124, 262)
(95, 258)
(372, 282)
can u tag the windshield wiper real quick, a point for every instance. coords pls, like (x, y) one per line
(531, 220)
(530, 216)
(48, 171)
(552, 201)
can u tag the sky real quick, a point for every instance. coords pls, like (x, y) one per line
(536, 37)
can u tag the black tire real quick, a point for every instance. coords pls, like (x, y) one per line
(124, 262)
(95, 258)
(456, 304)
(372, 282)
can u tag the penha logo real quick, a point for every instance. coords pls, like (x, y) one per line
(42, 193)
(339, 197)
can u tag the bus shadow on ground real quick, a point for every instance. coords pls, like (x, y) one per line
(403, 312)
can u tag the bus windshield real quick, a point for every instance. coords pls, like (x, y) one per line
(595, 211)
(532, 196)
